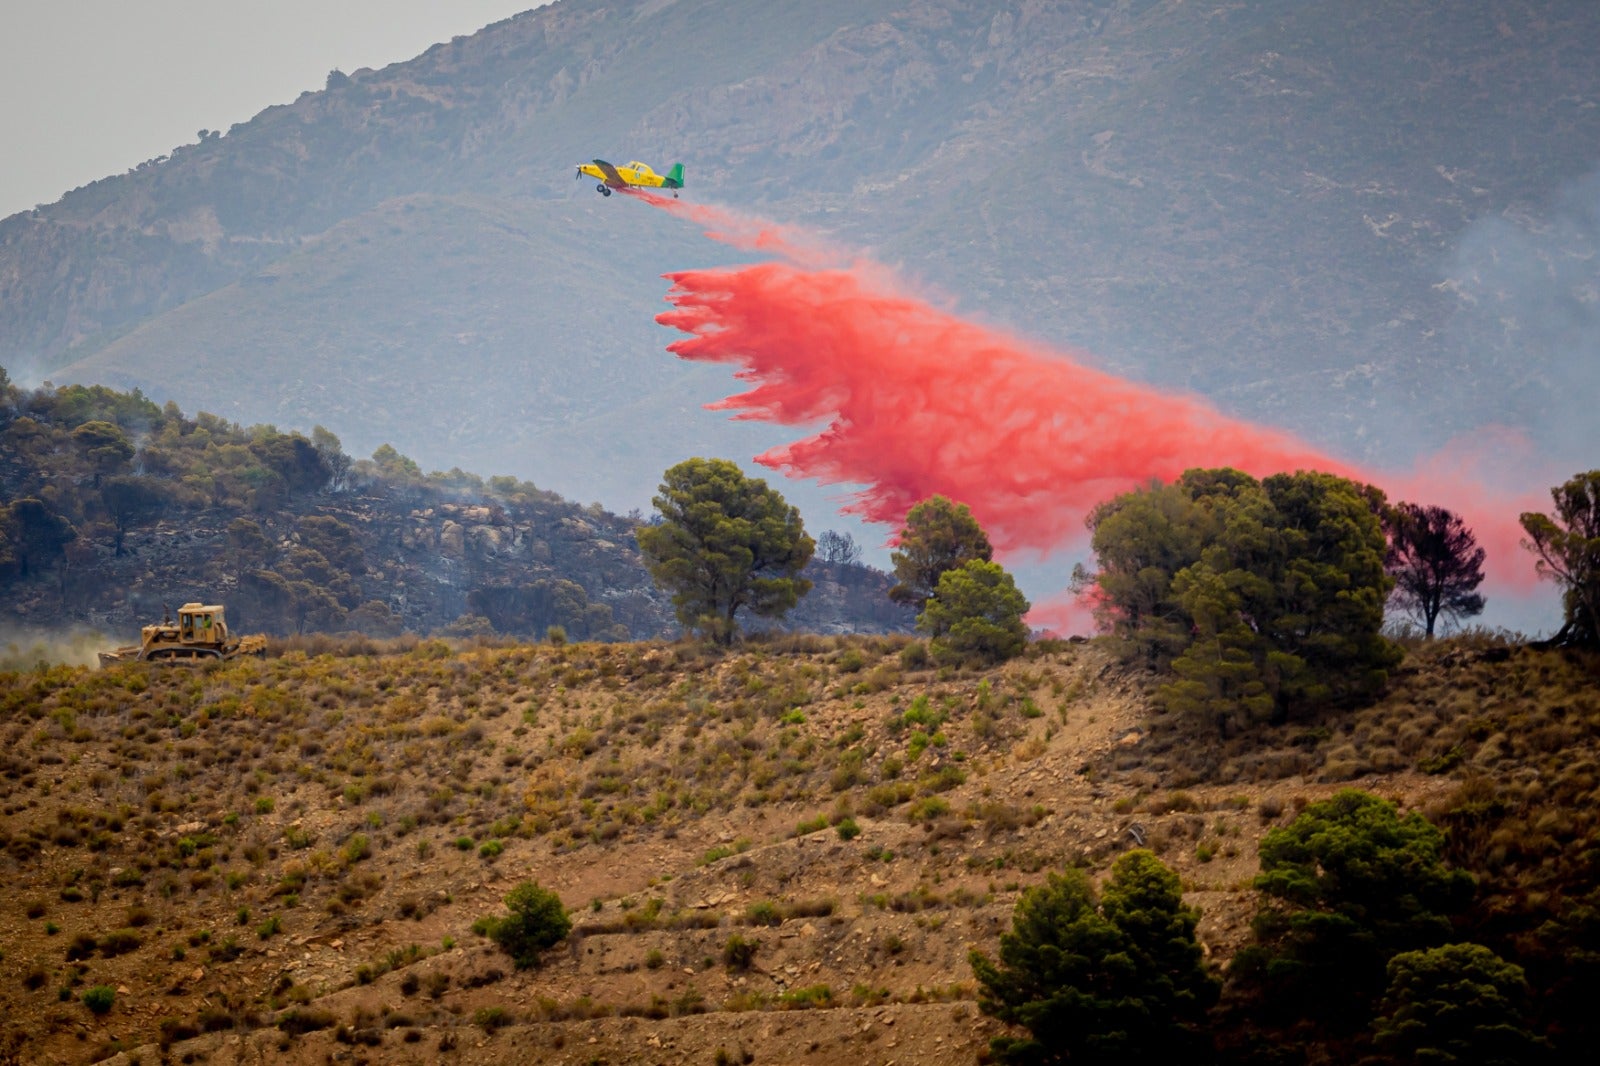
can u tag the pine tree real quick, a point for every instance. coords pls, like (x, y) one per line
(1568, 550)
(725, 543)
(1436, 564)
(1118, 981)
(939, 535)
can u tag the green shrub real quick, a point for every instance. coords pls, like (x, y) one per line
(892, 794)
(119, 942)
(491, 1018)
(763, 912)
(357, 848)
(738, 953)
(803, 998)
(299, 1021)
(914, 656)
(943, 779)
(537, 921)
(722, 851)
(923, 713)
(99, 998)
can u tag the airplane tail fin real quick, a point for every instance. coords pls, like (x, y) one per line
(675, 177)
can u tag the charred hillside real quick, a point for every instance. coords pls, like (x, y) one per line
(117, 509)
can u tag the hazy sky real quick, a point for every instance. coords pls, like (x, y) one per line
(90, 88)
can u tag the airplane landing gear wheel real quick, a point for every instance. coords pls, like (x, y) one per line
(603, 190)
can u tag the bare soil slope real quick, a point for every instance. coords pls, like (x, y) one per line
(283, 860)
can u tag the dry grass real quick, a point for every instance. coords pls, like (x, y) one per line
(160, 820)
(205, 837)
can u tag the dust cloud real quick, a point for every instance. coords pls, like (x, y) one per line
(25, 648)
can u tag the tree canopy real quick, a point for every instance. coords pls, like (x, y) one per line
(129, 501)
(976, 612)
(1436, 564)
(1456, 1005)
(725, 543)
(1119, 980)
(939, 535)
(1358, 884)
(1262, 598)
(105, 446)
(1568, 549)
(39, 536)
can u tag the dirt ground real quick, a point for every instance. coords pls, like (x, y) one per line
(375, 960)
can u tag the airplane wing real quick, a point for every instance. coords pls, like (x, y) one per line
(613, 179)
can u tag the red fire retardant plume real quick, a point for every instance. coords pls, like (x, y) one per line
(915, 401)
(918, 401)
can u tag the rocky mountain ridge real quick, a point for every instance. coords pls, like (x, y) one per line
(1342, 219)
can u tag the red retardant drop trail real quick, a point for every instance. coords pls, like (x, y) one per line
(917, 401)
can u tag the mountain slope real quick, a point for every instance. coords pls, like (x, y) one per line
(469, 329)
(1345, 219)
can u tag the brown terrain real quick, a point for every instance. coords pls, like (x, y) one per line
(283, 860)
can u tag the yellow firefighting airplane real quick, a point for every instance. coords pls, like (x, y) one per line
(634, 175)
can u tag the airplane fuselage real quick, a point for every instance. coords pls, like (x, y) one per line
(634, 175)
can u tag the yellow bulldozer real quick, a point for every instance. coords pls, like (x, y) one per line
(200, 633)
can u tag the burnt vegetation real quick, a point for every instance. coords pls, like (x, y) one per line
(117, 507)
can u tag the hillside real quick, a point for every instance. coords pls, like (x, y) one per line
(114, 511)
(284, 859)
(1342, 219)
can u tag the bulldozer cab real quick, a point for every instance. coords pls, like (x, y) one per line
(200, 624)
